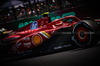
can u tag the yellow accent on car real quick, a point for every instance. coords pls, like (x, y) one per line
(46, 34)
(45, 13)
(4, 32)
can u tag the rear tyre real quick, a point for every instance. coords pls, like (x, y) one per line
(85, 33)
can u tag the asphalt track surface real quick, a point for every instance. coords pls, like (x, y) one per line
(76, 57)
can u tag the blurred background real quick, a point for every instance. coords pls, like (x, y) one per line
(20, 9)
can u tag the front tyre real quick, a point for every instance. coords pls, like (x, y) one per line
(85, 33)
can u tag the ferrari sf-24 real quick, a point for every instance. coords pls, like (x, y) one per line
(42, 36)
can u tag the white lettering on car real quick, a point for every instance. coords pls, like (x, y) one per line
(27, 44)
(26, 39)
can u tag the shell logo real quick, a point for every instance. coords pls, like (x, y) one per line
(36, 39)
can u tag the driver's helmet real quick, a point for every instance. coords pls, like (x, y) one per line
(45, 14)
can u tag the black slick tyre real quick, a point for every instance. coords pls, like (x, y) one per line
(85, 33)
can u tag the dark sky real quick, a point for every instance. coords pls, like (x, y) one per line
(2, 2)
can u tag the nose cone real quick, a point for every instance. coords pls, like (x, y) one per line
(11, 38)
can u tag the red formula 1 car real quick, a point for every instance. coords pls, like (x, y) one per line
(52, 36)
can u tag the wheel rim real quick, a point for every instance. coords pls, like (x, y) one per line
(82, 34)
